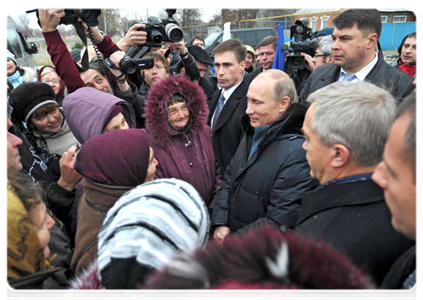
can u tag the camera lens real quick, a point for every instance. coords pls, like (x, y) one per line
(156, 36)
(173, 32)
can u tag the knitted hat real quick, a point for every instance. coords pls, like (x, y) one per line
(12, 57)
(146, 227)
(266, 258)
(117, 158)
(200, 55)
(28, 97)
(75, 54)
(251, 50)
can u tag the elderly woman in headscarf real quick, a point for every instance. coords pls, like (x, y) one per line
(176, 116)
(111, 164)
(28, 237)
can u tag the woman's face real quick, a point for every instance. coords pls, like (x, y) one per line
(48, 122)
(151, 167)
(53, 80)
(42, 223)
(116, 123)
(11, 67)
(178, 114)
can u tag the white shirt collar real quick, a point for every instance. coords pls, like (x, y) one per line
(361, 75)
(227, 93)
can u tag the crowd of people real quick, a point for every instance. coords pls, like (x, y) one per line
(213, 172)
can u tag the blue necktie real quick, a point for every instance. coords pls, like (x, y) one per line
(348, 77)
(219, 108)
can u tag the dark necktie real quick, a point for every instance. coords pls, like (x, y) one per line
(219, 107)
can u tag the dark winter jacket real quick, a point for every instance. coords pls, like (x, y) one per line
(92, 209)
(267, 188)
(187, 154)
(354, 218)
(398, 83)
(87, 109)
(49, 284)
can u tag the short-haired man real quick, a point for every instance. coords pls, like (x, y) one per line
(346, 128)
(323, 54)
(356, 58)
(266, 56)
(396, 175)
(409, 51)
(229, 103)
(269, 173)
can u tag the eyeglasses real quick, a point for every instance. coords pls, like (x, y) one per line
(320, 55)
(54, 81)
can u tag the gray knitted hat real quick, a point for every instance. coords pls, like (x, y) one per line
(146, 227)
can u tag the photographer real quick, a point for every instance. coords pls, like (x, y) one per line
(93, 77)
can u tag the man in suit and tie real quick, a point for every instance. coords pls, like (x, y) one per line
(230, 102)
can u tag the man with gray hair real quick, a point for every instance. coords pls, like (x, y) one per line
(269, 173)
(323, 53)
(346, 128)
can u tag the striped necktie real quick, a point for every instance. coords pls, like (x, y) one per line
(219, 107)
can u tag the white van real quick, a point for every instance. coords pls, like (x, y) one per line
(16, 43)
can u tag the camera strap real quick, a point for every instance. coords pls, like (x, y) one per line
(84, 60)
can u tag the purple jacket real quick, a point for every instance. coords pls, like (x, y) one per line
(186, 155)
(87, 109)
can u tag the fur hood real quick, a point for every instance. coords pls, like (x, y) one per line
(87, 280)
(156, 115)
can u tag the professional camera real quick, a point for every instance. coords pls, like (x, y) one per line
(168, 30)
(88, 16)
(303, 42)
(129, 65)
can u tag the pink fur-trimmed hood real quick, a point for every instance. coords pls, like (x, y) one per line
(156, 109)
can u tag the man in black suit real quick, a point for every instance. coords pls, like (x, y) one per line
(230, 102)
(346, 128)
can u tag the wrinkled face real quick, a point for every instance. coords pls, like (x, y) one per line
(199, 43)
(262, 107)
(49, 122)
(13, 157)
(116, 123)
(318, 155)
(408, 50)
(94, 79)
(267, 55)
(53, 80)
(156, 73)
(43, 222)
(178, 114)
(397, 178)
(11, 67)
(228, 70)
(249, 60)
(349, 48)
(151, 167)
(320, 59)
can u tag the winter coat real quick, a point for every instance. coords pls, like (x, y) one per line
(354, 218)
(92, 209)
(398, 83)
(49, 284)
(401, 270)
(87, 109)
(267, 188)
(187, 154)
(17, 78)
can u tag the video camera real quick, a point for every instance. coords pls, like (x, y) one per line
(130, 65)
(303, 42)
(168, 30)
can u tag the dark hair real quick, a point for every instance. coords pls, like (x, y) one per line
(176, 98)
(233, 45)
(29, 192)
(411, 35)
(408, 105)
(195, 38)
(268, 40)
(44, 110)
(367, 20)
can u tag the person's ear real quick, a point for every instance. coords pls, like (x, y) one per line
(372, 39)
(284, 103)
(340, 155)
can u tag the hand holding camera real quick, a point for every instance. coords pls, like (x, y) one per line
(50, 18)
(136, 35)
